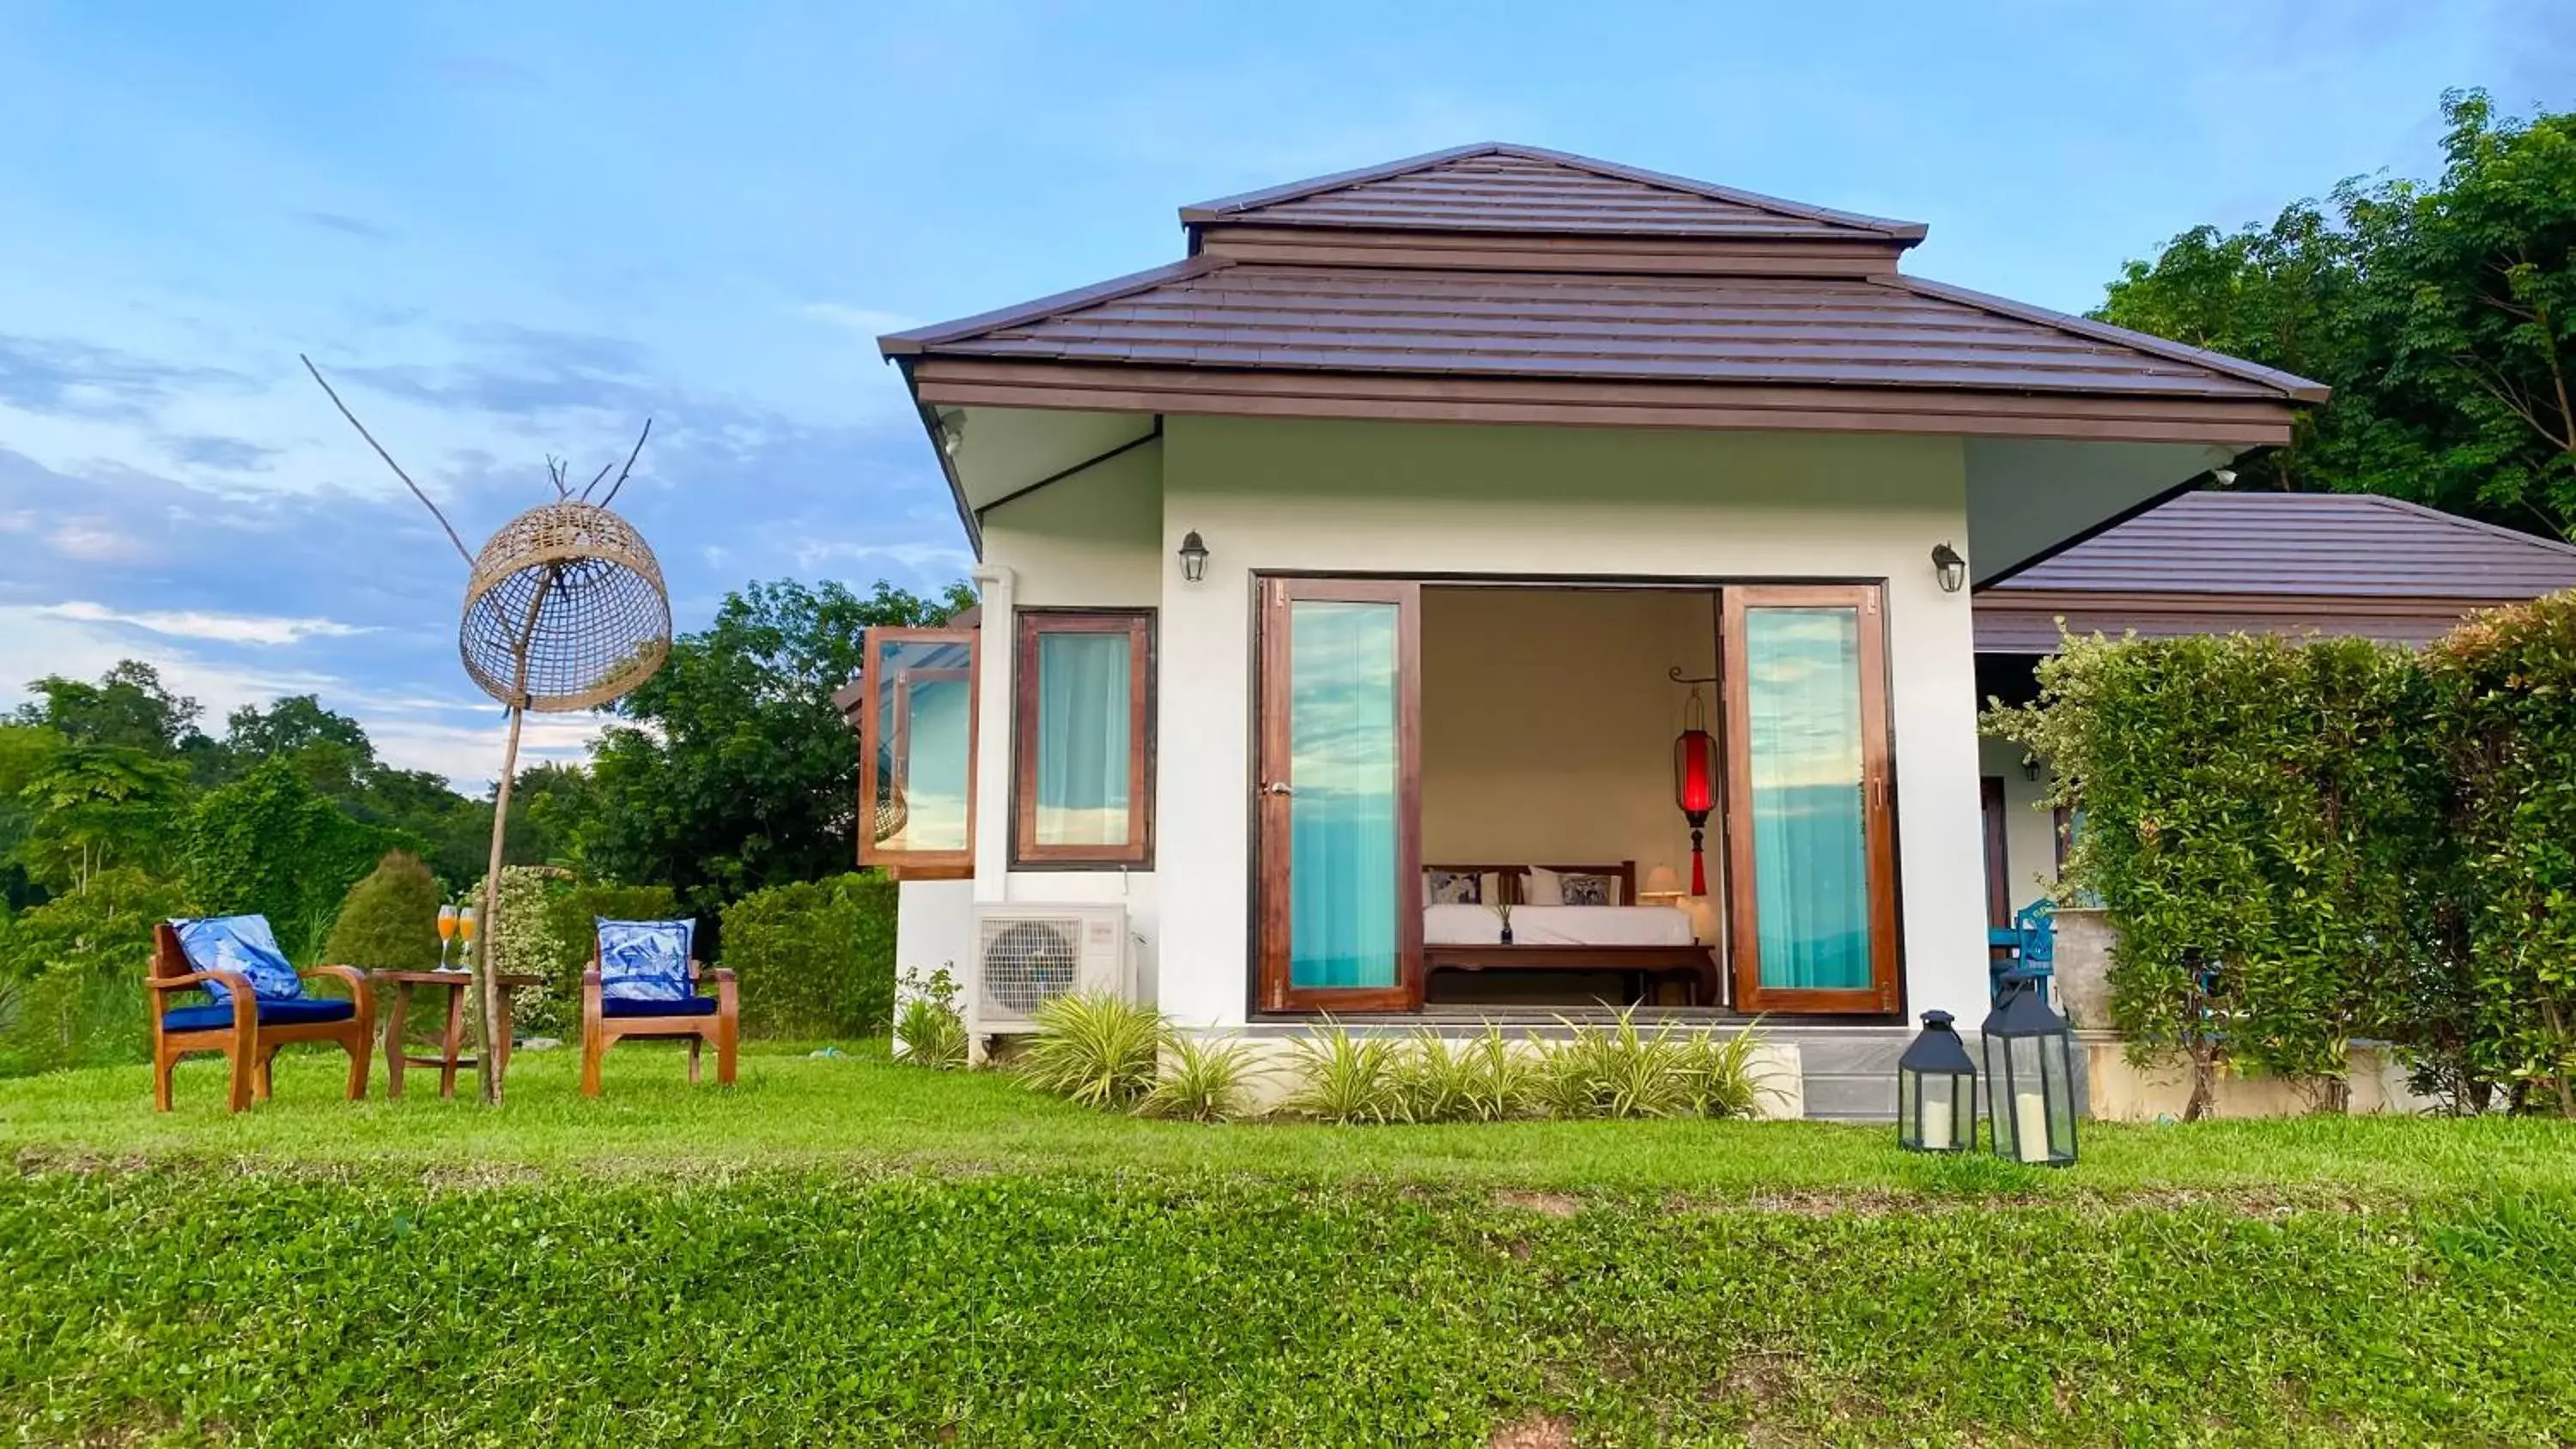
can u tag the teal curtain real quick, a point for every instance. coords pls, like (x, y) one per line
(1342, 837)
(1810, 853)
(937, 731)
(1082, 739)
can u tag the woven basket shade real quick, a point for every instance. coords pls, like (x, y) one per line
(602, 619)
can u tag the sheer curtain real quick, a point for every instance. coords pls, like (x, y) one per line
(1342, 833)
(1082, 739)
(1810, 857)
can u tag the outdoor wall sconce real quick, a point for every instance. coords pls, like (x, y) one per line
(1193, 557)
(1952, 569)
(1936, 1090)
(2030, 1076)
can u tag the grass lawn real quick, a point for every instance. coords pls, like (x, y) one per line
(853, 1252)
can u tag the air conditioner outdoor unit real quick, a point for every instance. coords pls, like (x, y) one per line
(1026, 955)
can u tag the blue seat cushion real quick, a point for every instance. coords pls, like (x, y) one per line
(645, 961)
(685, 1006)
(299, 1012)
(238, 943)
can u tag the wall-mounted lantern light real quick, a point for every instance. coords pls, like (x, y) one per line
(1951, 567)
(1194, 553)
(1936, 1090)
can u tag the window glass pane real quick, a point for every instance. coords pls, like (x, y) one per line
(1342, 834)
(925, 694)
(1810, 850)
(1083, 714)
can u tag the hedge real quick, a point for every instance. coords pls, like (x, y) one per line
(266, 844)
(348, 1308)
(815, 959)
(2303, 842)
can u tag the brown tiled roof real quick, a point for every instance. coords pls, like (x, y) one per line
(1873, 332)
(2305, 544)
(1501, 188)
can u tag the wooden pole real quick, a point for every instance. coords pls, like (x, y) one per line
(487, 985)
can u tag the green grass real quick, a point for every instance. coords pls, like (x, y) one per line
(854, 1252)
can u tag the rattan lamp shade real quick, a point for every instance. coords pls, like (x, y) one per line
(576, 588)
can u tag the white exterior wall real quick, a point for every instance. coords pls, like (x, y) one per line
(1419, 500)
(1092, 541)
(2030, 832)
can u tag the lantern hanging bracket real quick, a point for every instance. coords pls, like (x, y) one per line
(1676, 676)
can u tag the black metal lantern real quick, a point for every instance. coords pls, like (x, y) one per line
(1936, 1090)
(1194, 557)
(2030, 1076)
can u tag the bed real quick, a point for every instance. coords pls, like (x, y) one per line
(1647, 943)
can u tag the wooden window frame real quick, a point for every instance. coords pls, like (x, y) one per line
(914, 864)
(1138, 852)
(1884, 995)
(1274, 990)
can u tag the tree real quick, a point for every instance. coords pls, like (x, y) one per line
(734, 770)
(329, 749)
(128, 706)
(266, 843)
(97, 806)
(2443, 316)
(25, 751)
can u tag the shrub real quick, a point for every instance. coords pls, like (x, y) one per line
(1485, 1079)
(2262, 822)
(523, 936)
(1618, 1071)
(928, 1031)
(1201, 1081)
(71, 973)
(1722, 1082)
(2505, 683)
(1095, 1048)
(390, 919)
(815, 959)
(1342, 1078)
(265, 843)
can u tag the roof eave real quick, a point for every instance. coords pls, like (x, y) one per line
(918, 340)
(2289, 385)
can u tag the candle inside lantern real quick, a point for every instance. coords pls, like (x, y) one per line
(1936, 1125)
(2030, 1126)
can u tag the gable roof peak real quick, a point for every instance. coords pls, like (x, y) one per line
(1503, 186)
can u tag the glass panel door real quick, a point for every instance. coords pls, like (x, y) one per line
(1812, 856)
(1338, 792)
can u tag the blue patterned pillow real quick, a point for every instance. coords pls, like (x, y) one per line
(238, 943)
(645, 960)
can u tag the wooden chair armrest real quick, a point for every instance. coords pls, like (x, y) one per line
(724, 991)
(361, 991)
(232, 981)
(590, 983)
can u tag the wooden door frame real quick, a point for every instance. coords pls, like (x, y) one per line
(928, 863)
(1271, 812)
(1884, 995)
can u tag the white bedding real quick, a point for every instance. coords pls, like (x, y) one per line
(1558, 926)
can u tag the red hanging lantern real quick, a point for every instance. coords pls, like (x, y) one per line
(1695, 781)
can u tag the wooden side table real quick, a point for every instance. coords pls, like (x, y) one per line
(452, 1040)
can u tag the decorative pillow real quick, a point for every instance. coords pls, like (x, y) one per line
(1460, 888)
(1587, 889)
(238, 943)
(1573, 888)
(645, 960)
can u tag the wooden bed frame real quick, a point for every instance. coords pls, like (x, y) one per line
(1696, 965)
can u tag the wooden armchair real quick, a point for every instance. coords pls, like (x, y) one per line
(250, 1024)
(634, 988)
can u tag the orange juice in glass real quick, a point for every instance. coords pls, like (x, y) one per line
(446, 932)
(465, 931)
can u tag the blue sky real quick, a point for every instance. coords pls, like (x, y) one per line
(514, 230)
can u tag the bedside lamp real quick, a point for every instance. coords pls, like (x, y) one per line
(1663, 887)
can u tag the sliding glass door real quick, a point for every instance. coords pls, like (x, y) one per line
(1810, 845)
(1338, 795)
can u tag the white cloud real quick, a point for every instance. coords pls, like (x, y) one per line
(925, 557)
(205, 624)
(95, 540)
(866, 321)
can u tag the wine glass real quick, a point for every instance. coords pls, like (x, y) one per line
(465, 931)
(446, 930)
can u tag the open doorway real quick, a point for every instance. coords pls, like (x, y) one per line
(1442, 761)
